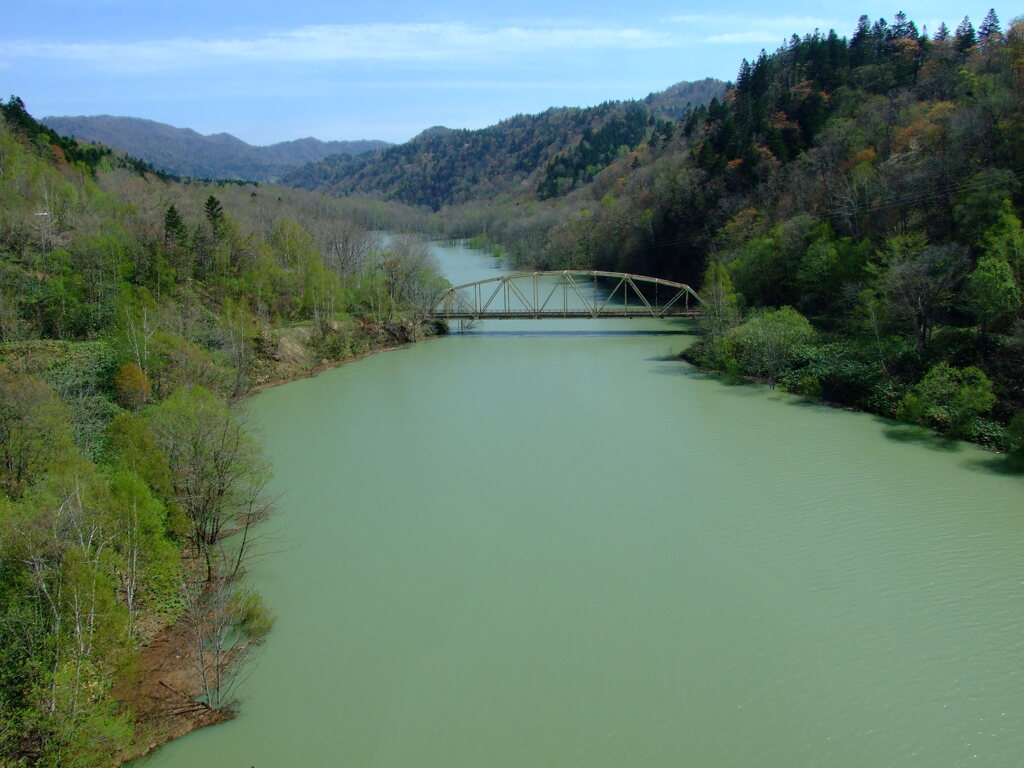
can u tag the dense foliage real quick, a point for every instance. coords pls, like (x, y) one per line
(872, 184)
(597, 147)
(132, 310)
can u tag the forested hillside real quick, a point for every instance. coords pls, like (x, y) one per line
(870, 184)
(132, 311)
(183, 152)
(676, 101)
(553, 152)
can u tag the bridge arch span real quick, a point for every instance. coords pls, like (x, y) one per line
(567, 293)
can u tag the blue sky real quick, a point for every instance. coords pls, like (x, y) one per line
(272, 70)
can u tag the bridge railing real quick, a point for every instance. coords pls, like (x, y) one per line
(568, 293)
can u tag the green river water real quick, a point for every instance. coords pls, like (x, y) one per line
(541, 543)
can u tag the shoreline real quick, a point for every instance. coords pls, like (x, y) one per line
(745, 379)
(162, 698)
(160, 692)
(320, 368)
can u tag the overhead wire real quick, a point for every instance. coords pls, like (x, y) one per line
(843, 211)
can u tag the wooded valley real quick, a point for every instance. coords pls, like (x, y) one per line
(849, 209)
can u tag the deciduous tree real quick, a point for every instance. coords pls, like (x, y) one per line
(225, 624)
(949, 398)
(921, 282)
(721, 306)
(35, 430)
(992, 294)
(768, 340)
(218, 472)
(132, 385)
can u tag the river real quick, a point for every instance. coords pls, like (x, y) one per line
(543, 543)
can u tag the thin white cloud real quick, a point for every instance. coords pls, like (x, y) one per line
(513, 85)
(750, 36)
(740, 22)
(736, 28)
(340, 43)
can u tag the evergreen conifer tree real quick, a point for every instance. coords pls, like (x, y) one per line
(965, 36)
(990, 30)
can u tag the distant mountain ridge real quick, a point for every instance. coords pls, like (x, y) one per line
(185, 152)
(546, 155)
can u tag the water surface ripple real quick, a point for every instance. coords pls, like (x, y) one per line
(549, 546)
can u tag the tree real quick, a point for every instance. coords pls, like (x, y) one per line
(982, 204)
(743, 77)
(992, 293)
(1015, 52)
(238, 330)
(819, 275)
(410, 274)
(291, 243)
(860, 44)
(148, 561)
(61, 535)
(921, 282)
(214, 214)
(949, 399)
(965, 38)
(137, 327)
(720, 311)
(1015, 434)
(224, 625)
(35, 431)
(133, 387)
(991, 30)
(175, 231)
(131, 442)
(1005, 240)
(769, 339)
(903, 28)
(218, 472)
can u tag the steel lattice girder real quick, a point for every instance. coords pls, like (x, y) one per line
(454, 304)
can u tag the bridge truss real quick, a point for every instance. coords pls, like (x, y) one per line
(567, 293)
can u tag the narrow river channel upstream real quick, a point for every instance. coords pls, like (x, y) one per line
(547, 543)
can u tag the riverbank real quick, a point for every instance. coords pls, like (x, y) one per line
(298, 352)
(162, 688)
(739, 379)
(952, 403)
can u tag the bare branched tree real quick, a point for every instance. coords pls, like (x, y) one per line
(225, 624)
(218, 472)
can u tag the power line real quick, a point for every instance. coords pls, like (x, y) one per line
(912, 200)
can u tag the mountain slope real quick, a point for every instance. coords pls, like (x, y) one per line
(546, 154)
(185, 152)
(675, 101)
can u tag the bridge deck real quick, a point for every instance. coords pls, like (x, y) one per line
(530, 315)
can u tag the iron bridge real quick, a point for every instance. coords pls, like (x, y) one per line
(567, 293)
